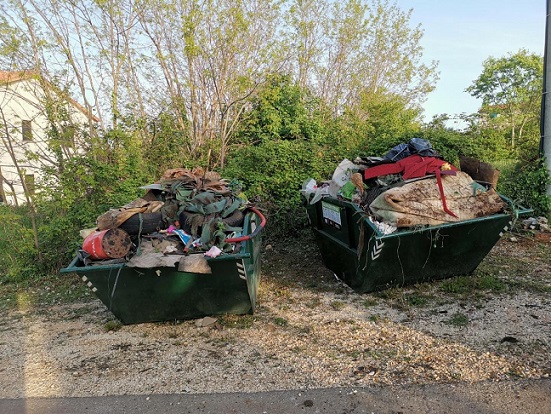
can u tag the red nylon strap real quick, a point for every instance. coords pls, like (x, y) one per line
(442, 196)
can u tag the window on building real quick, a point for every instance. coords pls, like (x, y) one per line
(27, 130)
(29, 183)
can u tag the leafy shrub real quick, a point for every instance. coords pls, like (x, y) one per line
(107, 177)
(281, 111)
(272, 174)
(18, 258)
(282, 144)
(526, 183)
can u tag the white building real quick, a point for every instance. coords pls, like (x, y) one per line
(23, 132)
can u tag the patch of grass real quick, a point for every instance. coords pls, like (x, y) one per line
(312, 284)
(281, 322)
(313, 303)
(12, 293)
(458, 320)
(277, 287)
(62, 289)
(112, 326)
(491, 283)
(78, 313)
(469, 285)
(237, 321)
(403, 298)
(354, 327)
(283, 292)
(355, 354)
(374, 318)
(369, 303)
(26, 300)
(380, 353)
(337, 305)
(417, 299)
(530, 285)
(220, 341)
(389, 294)
(32, 293)
(305, 330)
(7, 302)
(460, 284)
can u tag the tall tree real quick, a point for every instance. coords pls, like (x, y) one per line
(201, 60)
(213, 55)
(357, 48)
(510, 88)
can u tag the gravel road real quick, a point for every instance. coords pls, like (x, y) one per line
(310, 332)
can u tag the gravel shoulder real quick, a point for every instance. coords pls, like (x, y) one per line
(309, 332)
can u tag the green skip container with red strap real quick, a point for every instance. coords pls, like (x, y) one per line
(367, 260)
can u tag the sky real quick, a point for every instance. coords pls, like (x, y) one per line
(462, 34)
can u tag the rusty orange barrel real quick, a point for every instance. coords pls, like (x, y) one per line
(107, 244)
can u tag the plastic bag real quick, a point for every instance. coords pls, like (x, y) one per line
(414, 146)
(422, 147)
(312, 192)
(344, 171)
(399, 152)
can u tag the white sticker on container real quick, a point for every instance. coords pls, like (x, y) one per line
(331, 214)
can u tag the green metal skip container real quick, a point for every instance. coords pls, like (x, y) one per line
(366, 260)
(138, 295)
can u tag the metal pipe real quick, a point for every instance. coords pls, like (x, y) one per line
(545, 120)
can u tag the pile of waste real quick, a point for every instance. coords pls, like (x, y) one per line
(412, 185)
(536, 223)
(185, 211)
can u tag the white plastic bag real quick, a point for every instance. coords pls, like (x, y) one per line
(310, 187)
(343, 172)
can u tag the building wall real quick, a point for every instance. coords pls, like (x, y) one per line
(21, 102)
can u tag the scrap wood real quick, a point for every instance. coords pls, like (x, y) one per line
(478, 170)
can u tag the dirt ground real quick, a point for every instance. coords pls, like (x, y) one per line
(309, 331)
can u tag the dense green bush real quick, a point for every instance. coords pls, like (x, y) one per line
(384, 120)
(107, 177)
(525, 182)
(18, 256)
(280, 144)
(272, 174)
(281, 111)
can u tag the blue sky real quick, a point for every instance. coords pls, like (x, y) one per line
(461, 34)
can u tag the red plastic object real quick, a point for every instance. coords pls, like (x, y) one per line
(107, 244)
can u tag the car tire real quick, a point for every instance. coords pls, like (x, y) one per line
(144, 223)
